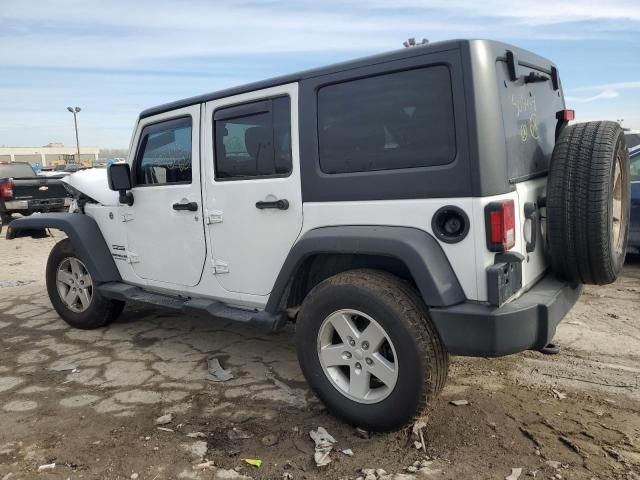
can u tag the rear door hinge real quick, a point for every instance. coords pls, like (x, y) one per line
(213, 216)
(220, 267)
(127, 217)
(133, 257)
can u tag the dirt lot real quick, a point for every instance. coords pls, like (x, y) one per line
(88, 400)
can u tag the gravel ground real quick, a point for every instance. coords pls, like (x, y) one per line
(88, 400)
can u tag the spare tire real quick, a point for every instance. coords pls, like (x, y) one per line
(588, 202)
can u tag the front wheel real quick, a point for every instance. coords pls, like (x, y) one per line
(73, 292)
(368, 348)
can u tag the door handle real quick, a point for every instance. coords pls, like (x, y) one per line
(190, 206)
(282, 204)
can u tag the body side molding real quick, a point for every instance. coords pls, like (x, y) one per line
(417, 249)
(85, 235)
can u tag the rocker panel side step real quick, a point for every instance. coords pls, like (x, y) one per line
(131, 293)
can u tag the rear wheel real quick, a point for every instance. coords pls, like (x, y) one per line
(369, 350)
(588, 203)
(73, 292)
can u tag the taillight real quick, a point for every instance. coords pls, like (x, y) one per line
(566, 115)
(501, 225)
(6, 190)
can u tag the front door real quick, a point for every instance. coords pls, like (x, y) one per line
(252, 182)
(165, 230)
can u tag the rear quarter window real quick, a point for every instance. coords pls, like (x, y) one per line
(393, 121)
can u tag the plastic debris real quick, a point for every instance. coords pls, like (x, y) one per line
(347, 451)
(164, 419)
(459, 403)
(417, 431)
(216, 372)
(48, 466)
(206, 465)
(237, 434)
(256, 462)
(164, 429)
(196, 435)
(324, 444)
(558, 394)
(515, 474)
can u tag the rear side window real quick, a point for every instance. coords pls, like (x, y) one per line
(392, 121)
(253, 140)
(164, 154)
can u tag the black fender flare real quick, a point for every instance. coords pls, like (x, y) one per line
(417, 249)
(85, 236)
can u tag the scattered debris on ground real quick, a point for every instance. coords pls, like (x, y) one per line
(164, 419)
(515, 474)
(324, 444)
(48, 466)
(215, 372)
(88, 400)
(558, 394)
(254, 462)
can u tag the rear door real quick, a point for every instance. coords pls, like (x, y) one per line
(252, 181)
(529, 116)
(165, 230)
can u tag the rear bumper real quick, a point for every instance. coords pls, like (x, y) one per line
(527, 323)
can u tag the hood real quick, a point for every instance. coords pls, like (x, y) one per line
(93, 183)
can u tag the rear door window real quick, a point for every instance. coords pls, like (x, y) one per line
(253, 140)
(392, 121)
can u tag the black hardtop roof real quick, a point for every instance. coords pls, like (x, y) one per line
(315, 72)
(400, 54)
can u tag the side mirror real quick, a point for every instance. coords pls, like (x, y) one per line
(119, 177)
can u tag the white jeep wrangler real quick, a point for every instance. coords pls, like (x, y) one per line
(398, 208)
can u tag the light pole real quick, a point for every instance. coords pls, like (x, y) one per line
(75, 111)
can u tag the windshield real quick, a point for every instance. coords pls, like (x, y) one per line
(16, 170)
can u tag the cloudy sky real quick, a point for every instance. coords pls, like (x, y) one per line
(114, 58)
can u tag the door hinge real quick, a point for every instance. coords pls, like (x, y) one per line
(220, 267)
(133, 257)
(127, 217)
(214, 216)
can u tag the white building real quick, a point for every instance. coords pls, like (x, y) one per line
(49, 155)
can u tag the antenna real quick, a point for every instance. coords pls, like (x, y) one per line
(411, 42)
